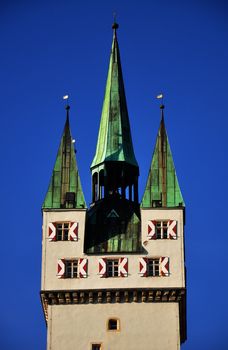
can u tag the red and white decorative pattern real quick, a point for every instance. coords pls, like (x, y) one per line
(52, 231)
(82, 268)
(123, 267)
(143, 266)
(102, 267)
(73, 231)
(61, 268)
(164, 266)
(172, 229)
(151, 229)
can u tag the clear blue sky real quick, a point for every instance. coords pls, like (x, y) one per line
(50, 48)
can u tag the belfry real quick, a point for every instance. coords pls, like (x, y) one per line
(113, 274)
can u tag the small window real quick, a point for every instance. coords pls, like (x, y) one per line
(96, 346)
(62, 231)
(161, 229)
(112, 267)
(71, 268)
(156, 203)
(70, 198)
(153, 267)
(113, 324)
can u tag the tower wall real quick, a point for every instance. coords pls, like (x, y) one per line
(171, 248)
(152, 326)
(55, 250)
(52, 251)
(103, 264)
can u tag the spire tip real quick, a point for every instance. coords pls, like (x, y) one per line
(115, 25)
(162, 112)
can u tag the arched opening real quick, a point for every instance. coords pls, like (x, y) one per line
(95, 187)
(129, 193)
(101, 184)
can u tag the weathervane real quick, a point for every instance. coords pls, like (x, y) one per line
(161, 97)
(66, 97)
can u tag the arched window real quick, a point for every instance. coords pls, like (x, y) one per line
(101, 183)
(95, 187)
(129, 195)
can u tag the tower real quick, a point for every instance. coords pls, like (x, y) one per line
(113, 275)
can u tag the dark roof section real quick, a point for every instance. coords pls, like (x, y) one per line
(113, 226)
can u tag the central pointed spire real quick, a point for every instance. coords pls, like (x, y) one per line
(114, 139)
(114, 144)
(113, 220)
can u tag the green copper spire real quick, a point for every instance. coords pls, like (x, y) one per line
(65, 189)
(162, 188)
(114, 139)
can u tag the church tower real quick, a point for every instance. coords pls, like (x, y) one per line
(113, 275)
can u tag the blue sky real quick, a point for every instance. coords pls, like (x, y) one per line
(50, 48)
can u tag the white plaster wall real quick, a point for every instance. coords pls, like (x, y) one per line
(150, 326)
(52, 251)
(173, 248)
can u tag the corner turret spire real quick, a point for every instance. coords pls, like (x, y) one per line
(114, 144)
(65, 189)
(162, 188)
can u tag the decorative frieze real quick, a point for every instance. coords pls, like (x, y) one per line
(112, 296)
